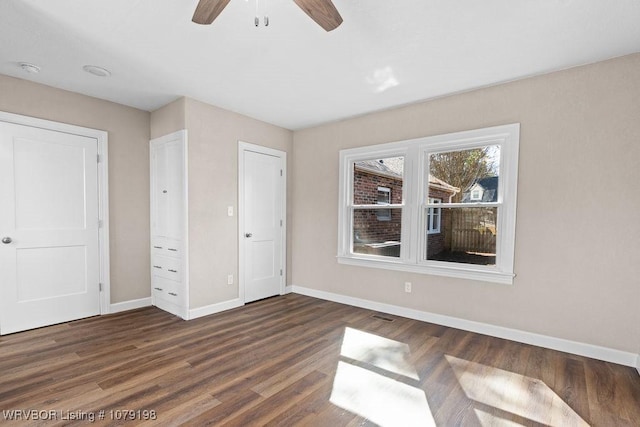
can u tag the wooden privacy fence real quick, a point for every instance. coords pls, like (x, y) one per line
(472, 231)
(470, 240)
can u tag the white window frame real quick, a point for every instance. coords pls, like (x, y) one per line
(414, 208)
(432, 213)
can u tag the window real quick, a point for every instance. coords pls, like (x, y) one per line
(375, 182)
(449, 204)
(433, 217)
(470, 234)
(384, 198)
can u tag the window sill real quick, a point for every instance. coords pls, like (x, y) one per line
(484, 275)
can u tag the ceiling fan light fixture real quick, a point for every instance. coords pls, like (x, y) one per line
(29, 68)
(97, 71)
(323, 12)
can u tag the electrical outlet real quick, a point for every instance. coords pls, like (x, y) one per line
(230, 279)
(407, 287)
(230, 211)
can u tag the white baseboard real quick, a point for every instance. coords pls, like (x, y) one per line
(582, 349)
(288, 289)
(214, 308)
(129, 305)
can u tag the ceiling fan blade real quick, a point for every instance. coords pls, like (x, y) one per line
(322, 11)
(208, 10)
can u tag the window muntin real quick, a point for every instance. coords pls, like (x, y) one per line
(418, 205)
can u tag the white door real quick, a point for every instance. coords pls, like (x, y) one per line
(262, 233)
(49, 255)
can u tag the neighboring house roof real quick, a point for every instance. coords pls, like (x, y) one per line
(393, 168)
(437, 182)
(489, 188)
(381, 168)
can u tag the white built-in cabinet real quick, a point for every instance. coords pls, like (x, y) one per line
(169, 237)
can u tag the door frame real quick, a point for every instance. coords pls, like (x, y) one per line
(101, 138)
(244, 147)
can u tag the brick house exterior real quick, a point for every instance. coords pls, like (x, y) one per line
(377, 231)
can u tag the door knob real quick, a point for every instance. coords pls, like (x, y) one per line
(248, 235)
(6, 240)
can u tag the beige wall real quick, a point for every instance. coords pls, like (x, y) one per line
(128, 130)
(168, 119)
(578, 230)
(213, 186)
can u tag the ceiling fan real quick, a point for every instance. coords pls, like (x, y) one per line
(323, 12)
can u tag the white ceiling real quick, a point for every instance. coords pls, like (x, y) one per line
(292, 73)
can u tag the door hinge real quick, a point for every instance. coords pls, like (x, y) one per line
(100, 286)
(281, 272)
(280, 223)
(99, 223)
(280, 172)
(98, 158)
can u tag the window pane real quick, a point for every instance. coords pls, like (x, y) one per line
(371, 178)
(467, 176)
(375, 237)
(467, 235)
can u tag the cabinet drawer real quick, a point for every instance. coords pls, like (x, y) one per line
(168, 290)
(166, 247)
(169, 268)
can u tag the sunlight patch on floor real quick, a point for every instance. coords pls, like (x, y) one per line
(382, 393)
(525, 397)
(382, 400)
(378, 351)
(487, 419)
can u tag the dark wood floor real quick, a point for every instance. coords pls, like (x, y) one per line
(295, 360)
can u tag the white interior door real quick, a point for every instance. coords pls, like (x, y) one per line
(49, 255)
(262, 234)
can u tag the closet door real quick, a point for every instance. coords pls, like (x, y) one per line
(167, 189)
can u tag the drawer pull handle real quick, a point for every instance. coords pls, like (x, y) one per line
(158, 289)
(173, 271)
(157, 266)
(173, 294)
(173, 250)
(157, 247)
